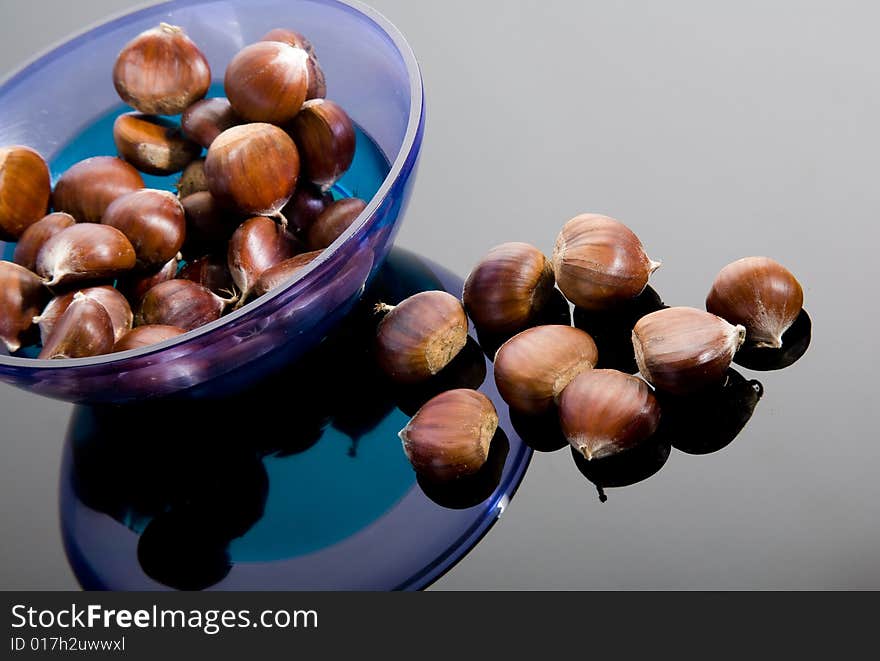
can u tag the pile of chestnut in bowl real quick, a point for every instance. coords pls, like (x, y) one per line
(598, 264)
(118, 266)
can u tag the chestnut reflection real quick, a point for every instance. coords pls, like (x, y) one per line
(625, 468)
(542, 432)
(555, 311)
(471, 490)
(181, 550)
(466, 370)
(196, 471)
(612, 329)
(708, 421)
(795, 342)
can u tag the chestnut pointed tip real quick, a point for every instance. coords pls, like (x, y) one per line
(741, 337)
(382, 308)
(654, 265)
(11, 345)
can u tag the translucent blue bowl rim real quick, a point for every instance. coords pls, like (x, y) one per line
(404, 162)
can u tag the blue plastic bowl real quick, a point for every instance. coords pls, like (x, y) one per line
(371, 71)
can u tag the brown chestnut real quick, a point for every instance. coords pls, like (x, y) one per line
(759, 293)
(135, 285)
(508, 287)
(181, 303)
(282, 273)
(24, 190)
(254, 167)
(208, 221)
(317, 84)
(603, 412)
(333, 221)
(534, 366)
(420, 336)
(449, 437)
(325, 137)
(36, 235)
(682, 350)
(192, 179)
(21, 297)
(161, 72)
(85, 252)
(306, 205)
(144, 336)
(152, 144)
(85, 329)
(256, 245)
(115, 304)
(267, 81)
(211, 271)
(87, 188)
(206, 119)
(154, 222)
(599, 262)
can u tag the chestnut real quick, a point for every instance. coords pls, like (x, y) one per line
(759, 293)
(135, 285)
(282, 273)
(317, 84)
(449, 437)
(306, 205)
(324, 135)
(208, 221)
(161, 71)
(152, 144)
(256, 245)
(36, 235)
(599, 262)
(333, 221)
(254, 167)
(180, 303)
(112, 300)
(508, 287)
(420, 336)
(206, 119)
(24, 190)
(144, 336)
(533, 367)
(471, 490)
(192, 179)
(267, 81)
(603, 412)
(210, 271)
(85, 252)
(85, 329)
(21, 298)
(87, 188)
(154, 223)
(682, 350)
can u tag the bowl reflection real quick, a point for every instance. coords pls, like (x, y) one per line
(281, 483)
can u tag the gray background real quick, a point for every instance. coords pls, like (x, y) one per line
(715, 130)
